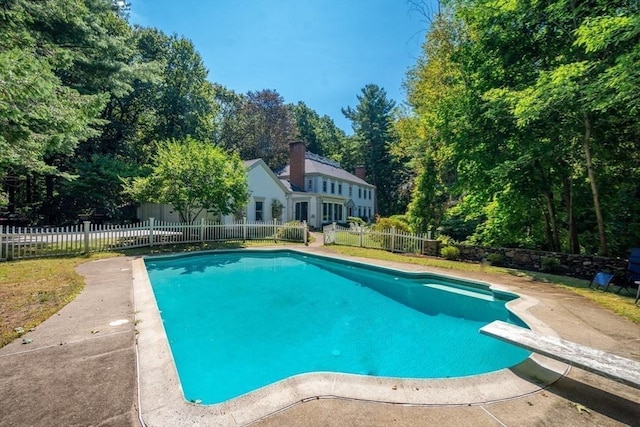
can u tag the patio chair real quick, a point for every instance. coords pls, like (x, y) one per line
(631, 279)
(602, 280)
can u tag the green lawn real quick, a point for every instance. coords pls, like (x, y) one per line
(33, 290)
(622, 304)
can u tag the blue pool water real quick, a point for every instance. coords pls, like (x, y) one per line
(239, 321)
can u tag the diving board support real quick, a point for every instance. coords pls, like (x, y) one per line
(625, 371)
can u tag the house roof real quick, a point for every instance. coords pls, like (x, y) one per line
(250, 164)
(316, 165)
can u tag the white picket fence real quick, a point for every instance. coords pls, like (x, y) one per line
(390, 239)
(28, 242)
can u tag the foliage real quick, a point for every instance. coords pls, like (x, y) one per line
(372, 122)
(276, 209)
(355, 220)
(451, 253)
(193, 177)
(494, 258)
(384, 224)
(256, 125)
(291, 231)
(320, 134)
(549, 263)
(524, 111)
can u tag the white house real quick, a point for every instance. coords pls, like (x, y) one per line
(310, 188)
(322, 192)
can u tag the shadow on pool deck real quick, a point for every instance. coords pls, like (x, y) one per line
(79, 370)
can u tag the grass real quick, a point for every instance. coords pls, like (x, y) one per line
(33, 290)
(622, 305)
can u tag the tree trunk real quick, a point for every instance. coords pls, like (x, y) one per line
(48, 204)
(555, 237)
(594, 188)
(574, 244)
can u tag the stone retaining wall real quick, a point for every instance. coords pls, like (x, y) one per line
(580, 266)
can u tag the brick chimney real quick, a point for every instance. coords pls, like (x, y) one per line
(297, 151)
(361, 172)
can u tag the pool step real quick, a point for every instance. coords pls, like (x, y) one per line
(459, 291)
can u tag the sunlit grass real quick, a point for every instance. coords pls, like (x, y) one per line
(622, 305)
(33, 290)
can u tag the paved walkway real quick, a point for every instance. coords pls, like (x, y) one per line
(80, 368)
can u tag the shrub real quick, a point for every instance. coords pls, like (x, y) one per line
(386, 223)
(355, 220)
(494, 259)
(288, 232)
(549, 263)
(450, 252)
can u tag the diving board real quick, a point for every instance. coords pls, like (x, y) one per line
(625, 371)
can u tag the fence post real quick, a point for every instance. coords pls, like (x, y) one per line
(361, 231)
(305, 232)
(275, 230)
(244, 229)
(333, 233)
(151, 231)
(202, 230)
(393, 238)
(87, 226)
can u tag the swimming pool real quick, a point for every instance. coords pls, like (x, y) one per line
(238, 321)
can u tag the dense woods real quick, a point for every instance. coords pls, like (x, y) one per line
(520, 125)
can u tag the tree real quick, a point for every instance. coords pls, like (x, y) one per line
(321, 134)
(193, 177)
(532, 103)
(372, 122)
(436, 94)
(58, 60)
(269, 128)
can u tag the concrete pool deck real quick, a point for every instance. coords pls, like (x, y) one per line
(80, 370)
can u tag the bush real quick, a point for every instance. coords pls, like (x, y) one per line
(288, 232)
(494, 259)
(450, 252)
(549, 263)
(386, 223)
(355, 220)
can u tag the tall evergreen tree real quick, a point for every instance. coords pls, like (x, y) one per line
(372, 122)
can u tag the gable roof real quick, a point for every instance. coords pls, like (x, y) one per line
(250, 164)
(317, 165)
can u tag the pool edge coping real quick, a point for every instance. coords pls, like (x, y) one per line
(162, 401)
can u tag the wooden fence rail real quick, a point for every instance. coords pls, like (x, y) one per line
(30, 242)
(390, 239)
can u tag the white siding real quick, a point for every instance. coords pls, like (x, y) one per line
(264, 187)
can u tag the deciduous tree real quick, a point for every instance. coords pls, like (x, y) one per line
(193, 176)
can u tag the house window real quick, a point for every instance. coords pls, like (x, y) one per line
(337, 212)
(339, 188)
(359, 193)
(369, 194)
(310, 185)
(369, 216)
(324, 186)
(333, 188)
(350, 191)
(324, 213)
(259, 210)
(360, 211)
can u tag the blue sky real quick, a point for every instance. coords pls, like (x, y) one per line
(321, 52)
